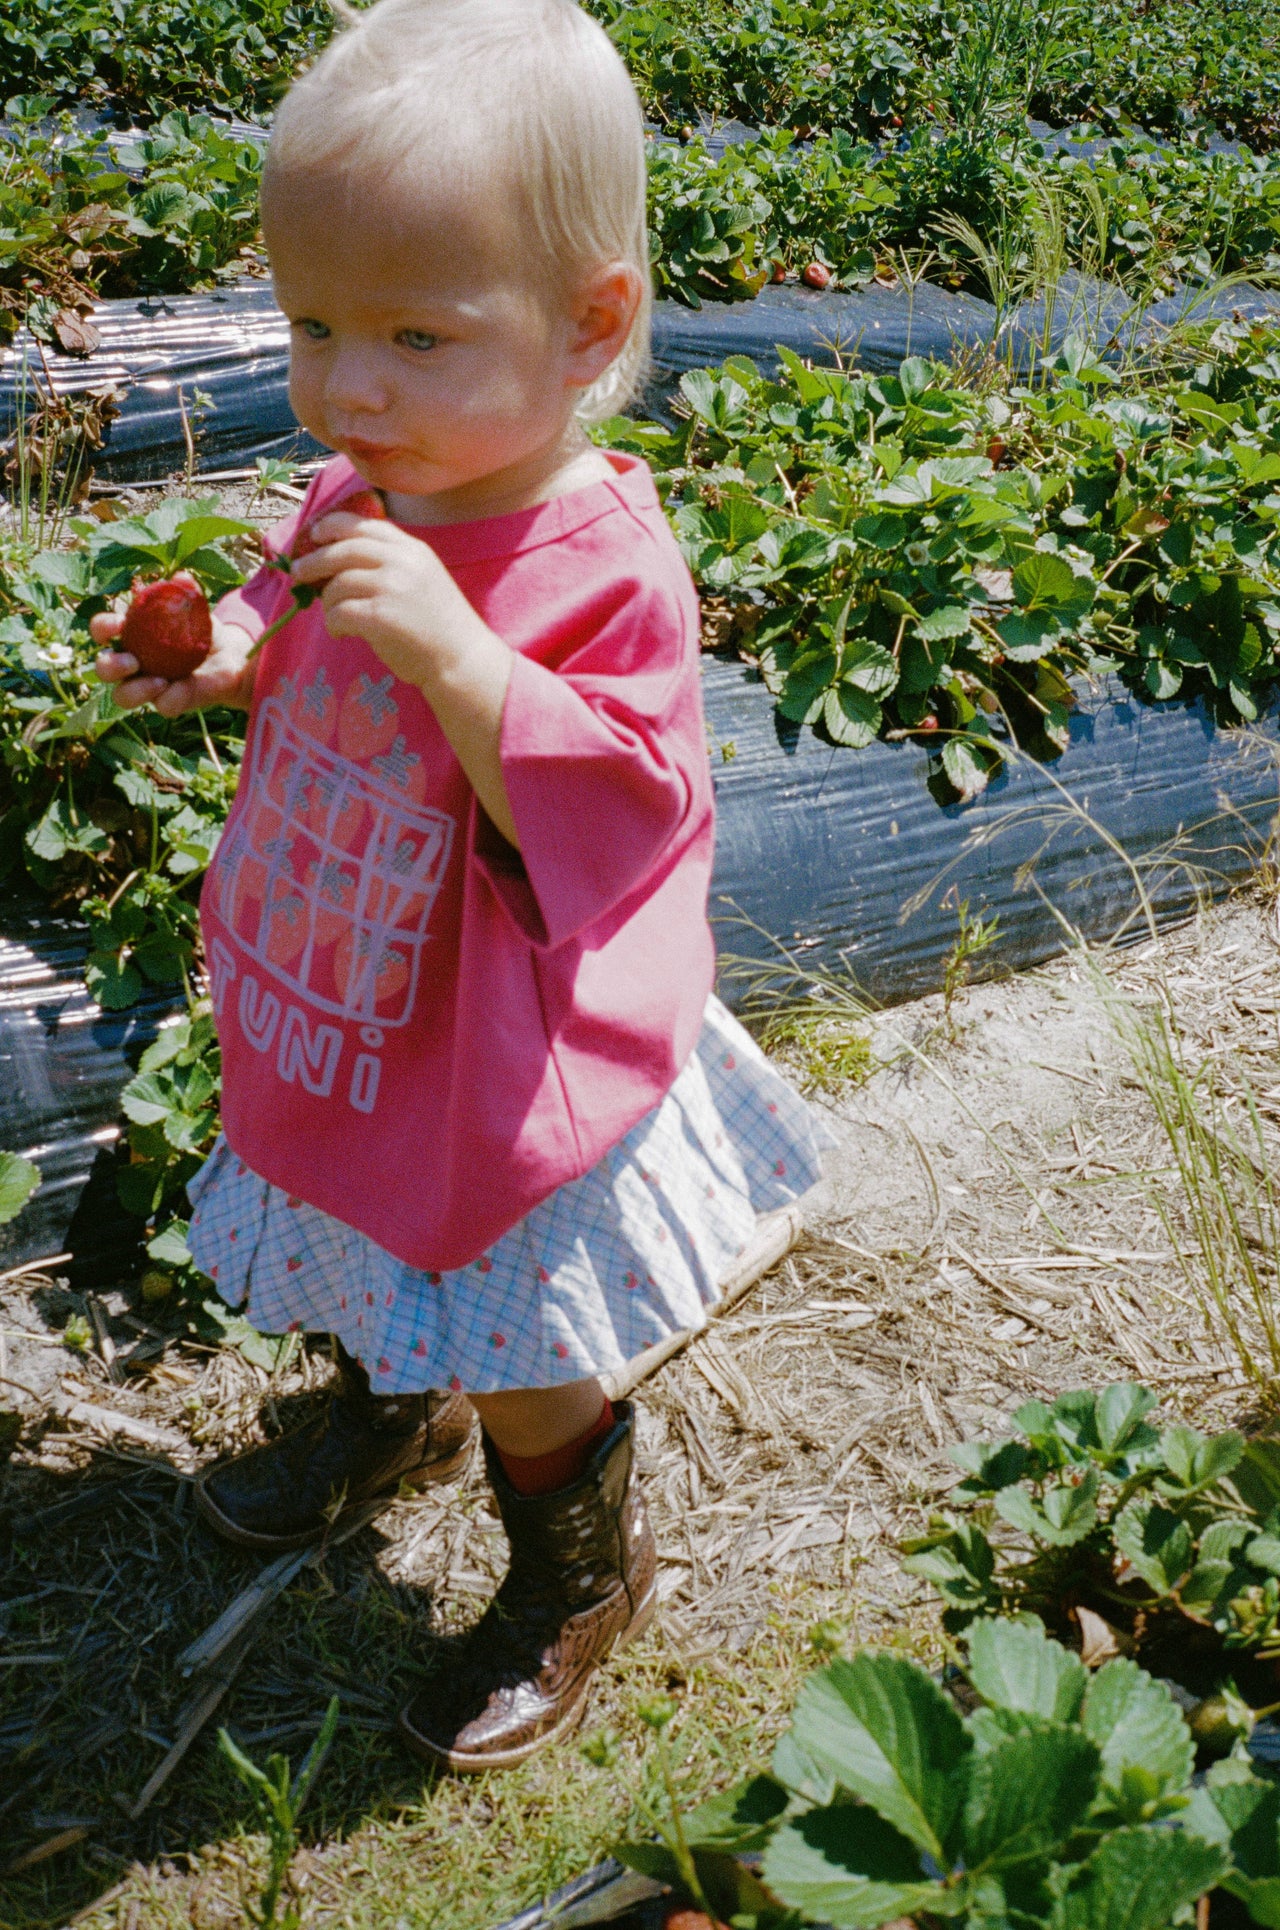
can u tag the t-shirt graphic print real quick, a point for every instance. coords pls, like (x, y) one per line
(329, 878)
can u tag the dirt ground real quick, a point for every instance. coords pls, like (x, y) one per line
(988, 1230)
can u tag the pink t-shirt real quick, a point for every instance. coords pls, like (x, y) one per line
(424, 1031)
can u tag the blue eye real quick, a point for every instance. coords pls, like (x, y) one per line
(416, 338)
(313, 330)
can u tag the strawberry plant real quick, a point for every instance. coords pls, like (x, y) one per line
(913, 554)
(19, 1178)
(1062, 1797)
(148, 55)
(846, 64)
(1119, 1534)
(113, 813)
(77, 225)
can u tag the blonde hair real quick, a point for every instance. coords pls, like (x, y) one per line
(528, 97)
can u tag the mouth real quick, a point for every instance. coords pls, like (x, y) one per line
(368, 451)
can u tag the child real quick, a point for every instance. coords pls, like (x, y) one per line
(485, 1123)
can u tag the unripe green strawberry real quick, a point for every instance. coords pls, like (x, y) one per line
(168, 626)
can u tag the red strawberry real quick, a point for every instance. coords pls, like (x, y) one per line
(167, 627)
(928, 722)
(778, 271)
(361, 502)
(817, 275)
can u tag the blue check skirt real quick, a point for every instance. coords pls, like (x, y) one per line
(602, 1269)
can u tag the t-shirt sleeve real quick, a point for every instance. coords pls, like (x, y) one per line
(600, 758)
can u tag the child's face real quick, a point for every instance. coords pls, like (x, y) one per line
(417, 349)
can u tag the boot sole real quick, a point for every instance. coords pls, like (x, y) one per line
(463, 1764)
(433, 1474)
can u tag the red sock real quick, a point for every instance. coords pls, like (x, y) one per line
(544, 1473)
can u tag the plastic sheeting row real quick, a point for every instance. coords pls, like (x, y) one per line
(827, 861)
(221, 359)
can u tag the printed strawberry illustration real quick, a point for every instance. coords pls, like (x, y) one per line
(355, 964)
(316, 706)
(401, 768)
(168, 627)
(334, 809)
(368, 716)
(286, 923)
(334, 889)
(360, 502)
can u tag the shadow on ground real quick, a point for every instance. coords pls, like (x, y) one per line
(106, 1574)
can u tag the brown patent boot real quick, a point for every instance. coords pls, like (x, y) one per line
(582, 1580)
(360, 1447)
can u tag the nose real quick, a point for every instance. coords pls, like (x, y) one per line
(354, 385)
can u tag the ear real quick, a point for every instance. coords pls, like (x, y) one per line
(600, 319)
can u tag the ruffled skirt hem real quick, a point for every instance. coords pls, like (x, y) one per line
(605, 1267)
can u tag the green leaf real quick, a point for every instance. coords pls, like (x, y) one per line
(1043, 581)
(1067, 1514)
(148, 1099)
(808, 680)
(968, 765)
(1141, 1879)
(112, 981)
(1014, 1665)
(199, 530)
(1119, 1413)
(61, 830)
(19, 1178)
(1026, 635)
(869, 666)
(796, 1770)
(1197, 1462)
(1161, 680)
(260, 1350)
(169, 1247)
(1156, 1542)
(851, 716)
(162, 203)
(888, 1734)
(846, 1866)
(1242, 1812)
(989, 1464)
(1027, 1795)
(737, 1819)
(1136, 1724)
(948, 620)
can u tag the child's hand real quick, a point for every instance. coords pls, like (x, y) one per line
(387, 587)
(392, 590)
(225, 676)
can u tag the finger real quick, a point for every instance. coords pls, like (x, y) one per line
(338, 554)
(178, 696)
(113, 666)
(136, 691)
(340, 522)
(105, 626)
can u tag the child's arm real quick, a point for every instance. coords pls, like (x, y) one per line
(387, 587)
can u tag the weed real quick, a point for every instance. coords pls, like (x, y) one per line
(974, 936)
(279, 1799)
(830, 1052)
(1223, 1216)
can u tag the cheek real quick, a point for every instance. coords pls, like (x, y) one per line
(306, 392)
